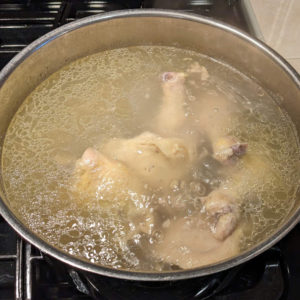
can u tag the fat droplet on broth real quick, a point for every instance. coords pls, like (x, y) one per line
(116, 94)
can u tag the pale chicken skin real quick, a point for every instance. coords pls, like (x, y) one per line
(189, 243)
(213, 120)
(171, 115)
(201, 70)
(100, 178)
(228, 149)
(205, 237)
(224, 208)
(211, 115)
(155, 159)
(111, 185)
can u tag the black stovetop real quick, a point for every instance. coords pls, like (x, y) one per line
(25, 273)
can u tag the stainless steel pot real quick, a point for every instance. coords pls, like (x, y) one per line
(146, 27)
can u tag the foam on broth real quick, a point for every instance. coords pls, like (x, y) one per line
(117, 93)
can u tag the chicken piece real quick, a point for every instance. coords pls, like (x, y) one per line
(111, 185)
(171, 115)
(212, 114)
(227, 149)
(242, 178)
(219, 202)
(223, 207)
(225, 225)
(189, 243)
(197, 68)
(155, 159)
(213, 117)
(106, 181)
(223, 204)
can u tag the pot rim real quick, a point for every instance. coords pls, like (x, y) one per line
(32, 238)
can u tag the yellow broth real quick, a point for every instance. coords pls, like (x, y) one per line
(118, 93)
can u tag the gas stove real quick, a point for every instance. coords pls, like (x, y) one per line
(26, 273)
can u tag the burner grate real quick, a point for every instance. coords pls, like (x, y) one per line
(22, 22)
(29, 261)
(11, 260)
(46, 278)
(77, 9)
(25, 273)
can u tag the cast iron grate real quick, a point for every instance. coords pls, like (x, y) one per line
(22, 22)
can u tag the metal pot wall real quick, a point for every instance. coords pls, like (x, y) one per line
(146, 27)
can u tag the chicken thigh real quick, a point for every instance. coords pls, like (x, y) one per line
(189, 243)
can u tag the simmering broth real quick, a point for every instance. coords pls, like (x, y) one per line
(151, 208)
